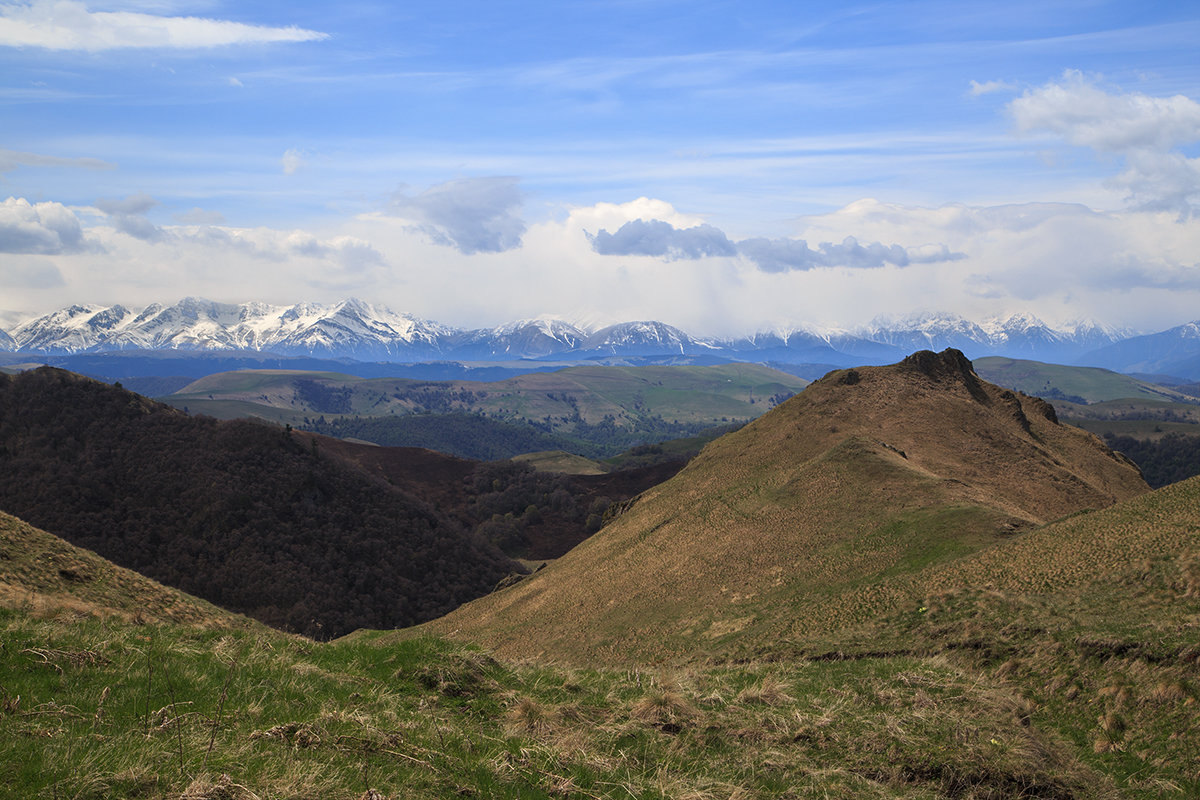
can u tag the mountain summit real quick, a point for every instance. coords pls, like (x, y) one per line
(787, 526)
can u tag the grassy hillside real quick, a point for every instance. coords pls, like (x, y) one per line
(560, 399)
(1059, 382)
(561, 462)
(794, 519)
(121, 711)
(1041, 678)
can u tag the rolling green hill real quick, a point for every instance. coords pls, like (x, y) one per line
(704, 395)
(1074, 384)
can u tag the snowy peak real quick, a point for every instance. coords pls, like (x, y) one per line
(70, 329)
(348, 327)
(354, 328)
(927, 331)
(527, 338)
(643, 338)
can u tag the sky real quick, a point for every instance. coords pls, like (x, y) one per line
(725, 167)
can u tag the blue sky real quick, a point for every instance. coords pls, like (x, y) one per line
(722, 166)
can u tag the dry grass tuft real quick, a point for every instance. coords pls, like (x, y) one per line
(1170, 692)
(664, 709)
(769, 691)
(297, 734)
(528, 717)
(223, 788)
(1112, 723)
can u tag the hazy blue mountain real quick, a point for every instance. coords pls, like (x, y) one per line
(1175, 351)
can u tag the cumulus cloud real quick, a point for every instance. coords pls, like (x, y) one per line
(1085, 114)
(657, 238)
(1145, 130)
(39, 228)
(663, 240)
(472, 215)
(70, 25)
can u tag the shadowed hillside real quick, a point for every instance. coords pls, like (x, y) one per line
(248, 516)
(789, 524)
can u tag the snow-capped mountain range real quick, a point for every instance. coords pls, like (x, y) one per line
(361, 331)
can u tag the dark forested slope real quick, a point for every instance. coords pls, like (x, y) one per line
(252, 517)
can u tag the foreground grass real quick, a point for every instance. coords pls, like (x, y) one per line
(97, 709)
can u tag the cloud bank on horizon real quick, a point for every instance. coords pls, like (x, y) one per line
(739, 167)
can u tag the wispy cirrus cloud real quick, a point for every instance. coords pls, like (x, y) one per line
(11, 159)
(71, 25)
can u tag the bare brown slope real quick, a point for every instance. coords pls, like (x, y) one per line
(790, 523)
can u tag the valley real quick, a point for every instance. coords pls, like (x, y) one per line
(905, 581)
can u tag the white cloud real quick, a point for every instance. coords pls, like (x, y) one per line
(39, 228)
(1146, 131)
(133, 204)
(987, 87)
(473, 215)
(129, 215)
(1081, 112)
(70, 25)
(1061, 261)
(292, 161)
(661, 239)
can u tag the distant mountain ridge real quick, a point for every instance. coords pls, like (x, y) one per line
(355, 329)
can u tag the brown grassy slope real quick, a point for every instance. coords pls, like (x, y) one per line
(45, 574)
(790, 525)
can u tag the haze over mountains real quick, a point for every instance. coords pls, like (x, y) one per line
(362, 331)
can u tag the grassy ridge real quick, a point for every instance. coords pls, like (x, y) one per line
(588, 394)
(1091, 384)
(92, 710)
